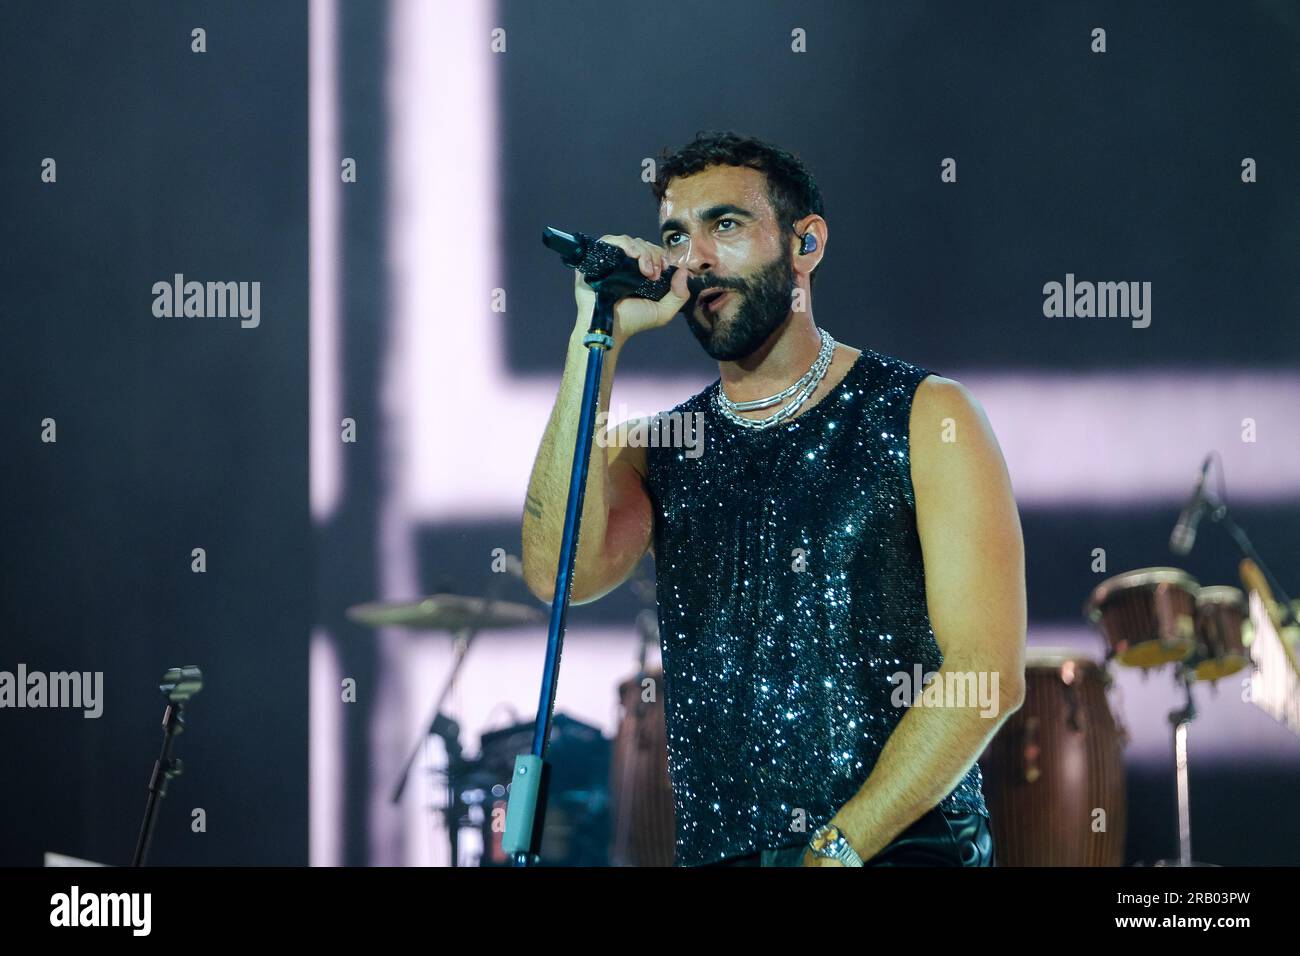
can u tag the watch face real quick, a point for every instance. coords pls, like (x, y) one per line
(825, 838)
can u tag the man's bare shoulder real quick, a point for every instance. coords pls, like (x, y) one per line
(939, 396)
(950, 436)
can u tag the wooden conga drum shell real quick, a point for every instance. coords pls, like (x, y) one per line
(1221, 627)
(1053, 764)
(1147, 616)
(640, 789)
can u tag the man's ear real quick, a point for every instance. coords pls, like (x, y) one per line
(809, 243)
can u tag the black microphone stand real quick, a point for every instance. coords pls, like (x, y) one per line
(179, 685)
(526, 808)
(1219, 515)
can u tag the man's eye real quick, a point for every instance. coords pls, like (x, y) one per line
(668, 239)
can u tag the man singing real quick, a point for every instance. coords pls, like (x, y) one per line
(848, 523)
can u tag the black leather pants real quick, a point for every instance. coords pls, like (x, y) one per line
(938, 838)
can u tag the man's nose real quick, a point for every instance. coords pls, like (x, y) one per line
(696, 255)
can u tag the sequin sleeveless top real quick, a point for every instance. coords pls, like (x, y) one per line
(790, 588)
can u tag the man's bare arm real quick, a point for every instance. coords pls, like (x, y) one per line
(616, 516)
(975, 590)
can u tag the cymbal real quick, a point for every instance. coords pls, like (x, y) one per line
(449, 612)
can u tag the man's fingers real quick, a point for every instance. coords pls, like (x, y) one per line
(679, 285)
(652, 260)
(645, 256)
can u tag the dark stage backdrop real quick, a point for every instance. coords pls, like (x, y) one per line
(175, 434)
(172, 433)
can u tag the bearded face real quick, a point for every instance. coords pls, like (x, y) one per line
(744, 318)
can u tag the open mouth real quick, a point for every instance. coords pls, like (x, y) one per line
(713, 299)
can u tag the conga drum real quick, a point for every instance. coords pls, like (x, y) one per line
(1221, 633)
(640, 788)
(1147, 616)
(1054, 764)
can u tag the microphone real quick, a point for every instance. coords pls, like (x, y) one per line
(1184, 534)
(606, 267)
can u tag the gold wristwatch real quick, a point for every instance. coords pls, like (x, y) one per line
(830, 843)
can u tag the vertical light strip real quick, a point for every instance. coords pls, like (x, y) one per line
(447, 226)
(324, 728)
(323, 176)
(442, 115)
(325, 753)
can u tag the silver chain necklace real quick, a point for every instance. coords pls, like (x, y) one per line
(800, 390)
(827, 344)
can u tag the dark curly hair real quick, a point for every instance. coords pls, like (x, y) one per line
(791, 189)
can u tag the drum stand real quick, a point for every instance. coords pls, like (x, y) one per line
(1180, 720)
(448, 730)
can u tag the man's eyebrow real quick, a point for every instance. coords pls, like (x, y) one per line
(713, 212)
